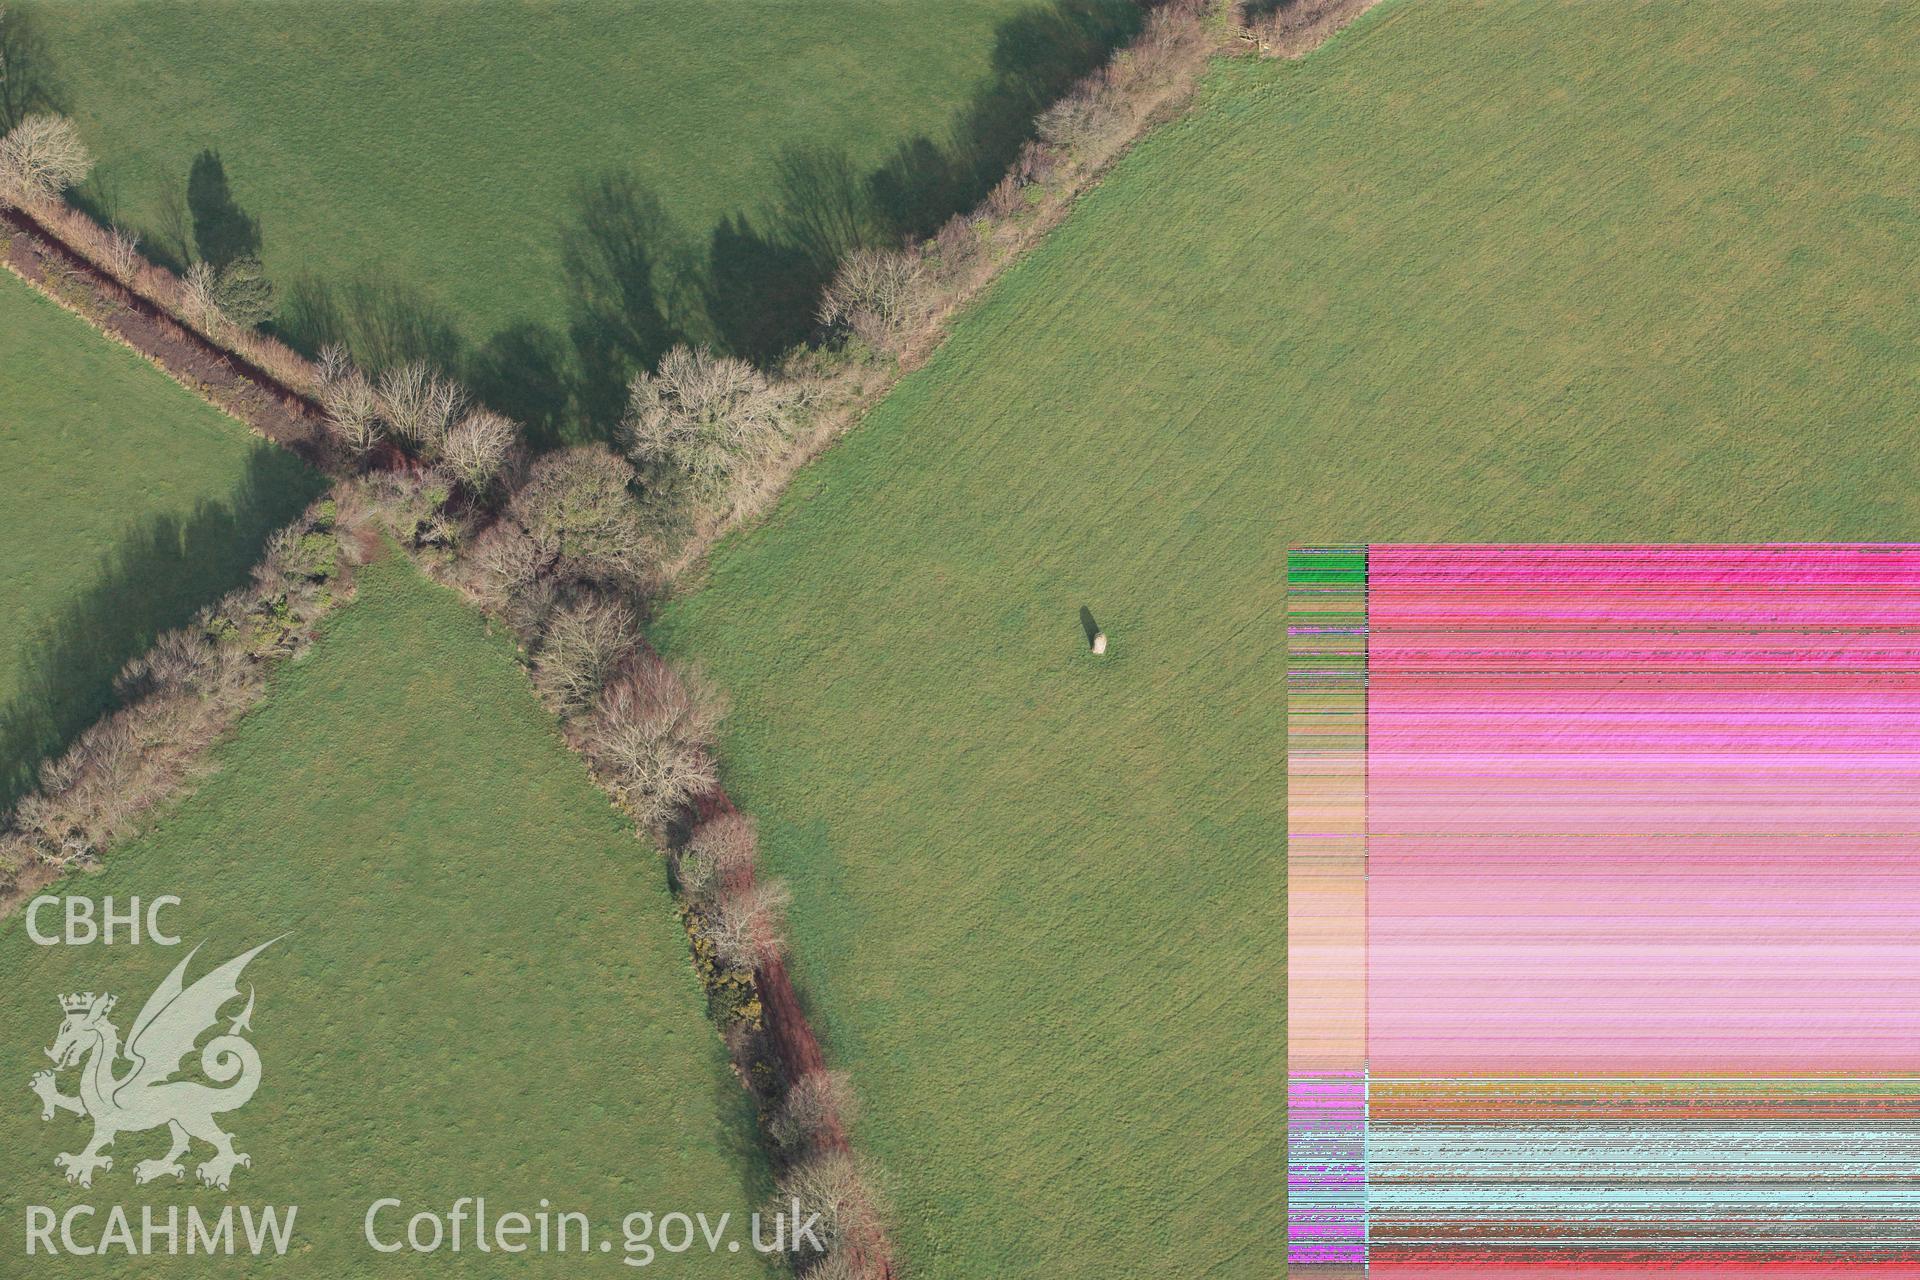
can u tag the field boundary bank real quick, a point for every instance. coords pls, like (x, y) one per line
(226, 378)
(187, 695)
(219, 371)
(1294, 28)
(239, 383)
(1037, 193)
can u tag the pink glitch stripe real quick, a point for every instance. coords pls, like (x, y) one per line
(1643, 810)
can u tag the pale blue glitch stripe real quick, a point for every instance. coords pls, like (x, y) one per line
(1804, 1173)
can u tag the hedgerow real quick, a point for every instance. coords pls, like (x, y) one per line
(176, 700)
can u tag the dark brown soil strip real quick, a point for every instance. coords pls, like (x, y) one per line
(791, 1035)
(234, 383)
(787, 1026)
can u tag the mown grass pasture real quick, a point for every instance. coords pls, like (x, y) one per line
(1504, 271)
(542, 195)
(128, 504)
(482, 988)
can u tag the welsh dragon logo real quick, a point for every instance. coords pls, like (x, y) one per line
(146, 1095)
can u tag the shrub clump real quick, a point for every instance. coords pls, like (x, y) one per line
(243, 294)
(1292, 28)
(876, 295)
(651, 736)
(718, 856)
(577, 507)
(700, 422)
(582, 645)
(41, 157)
(831, 1182)
(718, 852)
(507, 571)
(817, 1107)
(744, 922)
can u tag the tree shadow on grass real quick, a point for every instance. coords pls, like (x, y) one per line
(622, 257)
(203, 221)
(736, 1135)
(1037, 56)
(622, 260)
(161, 571)
(530, 372)
(766, 271)
(27, 81)
(382, 322)
(222, 230)
(637, 282)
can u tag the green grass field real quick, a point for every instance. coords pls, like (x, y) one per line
(483, 988)
(1473, 271)
(546, 194)
(128, 503)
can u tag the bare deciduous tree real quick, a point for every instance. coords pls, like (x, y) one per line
(354, 410)
(814, 1102)
(719, 848)
(121, 254)
(1082, 119)
(200, 297)
(705, 418)
(475, 449)
(875, 293)
(1007, 198)
(419, 405)
(577, 504)
(332, 364)
(744, 924)
(584, 643)
(650, 736)
(507, 569)
(831, 1184)
(958, 241)
(352, 407)
(41, 157)
(180, 662)
(86, 798)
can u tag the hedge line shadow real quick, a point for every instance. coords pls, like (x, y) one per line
(637, 282)
(155, 577)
